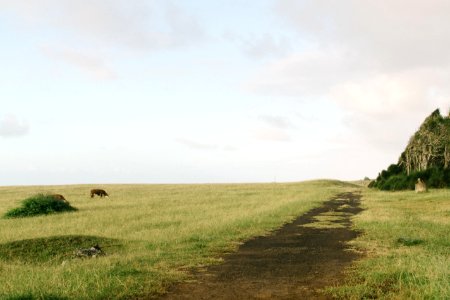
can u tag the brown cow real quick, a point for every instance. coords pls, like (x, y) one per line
(99, 192)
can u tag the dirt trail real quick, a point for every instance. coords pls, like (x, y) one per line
(294, 262)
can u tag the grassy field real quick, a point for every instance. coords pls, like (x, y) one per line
(152, 234)
(406, 237)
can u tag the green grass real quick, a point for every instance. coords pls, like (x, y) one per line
(152, 234)
(407, 245)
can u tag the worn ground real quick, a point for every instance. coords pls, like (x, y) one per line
(295, 262)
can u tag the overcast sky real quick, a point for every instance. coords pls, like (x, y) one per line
(199, 91)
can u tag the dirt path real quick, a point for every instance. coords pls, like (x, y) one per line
(294, 262)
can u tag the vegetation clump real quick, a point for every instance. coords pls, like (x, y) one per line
(39, 204)
(427, 156)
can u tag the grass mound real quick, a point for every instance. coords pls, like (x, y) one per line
(39, 204)
(55, 248)
(164, 231)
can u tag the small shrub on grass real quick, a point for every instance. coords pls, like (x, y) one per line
(39, 204)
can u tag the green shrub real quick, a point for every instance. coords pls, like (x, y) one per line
(39, 204)
(390, 180)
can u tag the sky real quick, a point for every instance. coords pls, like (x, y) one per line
(198, 91)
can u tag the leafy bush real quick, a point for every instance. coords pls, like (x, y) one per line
(39, 204)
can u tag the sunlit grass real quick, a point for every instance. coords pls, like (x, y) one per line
(327, 220)
(407, 242)
(161, 231)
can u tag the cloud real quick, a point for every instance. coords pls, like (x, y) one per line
(137, 25)
(310, 72)
(410, 91)
(396, 35)
(384, 64)
(388, 108)
(91, 64)
(271, 134)
(276, 121)
(272, 128)
(260, 46)
(196, 145)
(11, 126)
(266, 45)
(205, 146)
(183, 28)
(96, 33)
(352, 40)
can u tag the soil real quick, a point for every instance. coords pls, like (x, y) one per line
(296, 261)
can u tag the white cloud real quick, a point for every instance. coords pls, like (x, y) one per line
(394, 94)
(11, 126)
(196, 145)
(396, 34)
(91, 64)
(266, 45)
(271, 134)
(385, 64)
(260, 46)
(385, 110)
(142, 25)
(183, 28)
(276, 121)
(311, 72)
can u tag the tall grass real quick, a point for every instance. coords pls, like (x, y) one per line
(161, 231)
(407, 241)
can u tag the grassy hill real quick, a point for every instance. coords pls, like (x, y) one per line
(150, 234)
